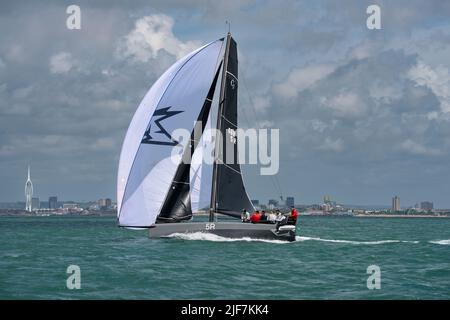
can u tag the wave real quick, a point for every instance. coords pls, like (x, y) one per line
(299, 238)
(443, 242)
(204, 236)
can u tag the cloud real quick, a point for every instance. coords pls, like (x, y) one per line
(300, 79)
(2, 64)
(61, 62)
(150, 35)
(336, 145)
(351, 104)
(415, 148)
(345, 104)
(437, 79)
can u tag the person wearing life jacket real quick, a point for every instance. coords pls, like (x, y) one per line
(255, 217)
(294, 214)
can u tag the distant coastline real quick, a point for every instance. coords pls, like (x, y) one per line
(400, 216)
(113, 213)
(23, 213)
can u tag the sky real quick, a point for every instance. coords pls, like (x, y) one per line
(363, 114)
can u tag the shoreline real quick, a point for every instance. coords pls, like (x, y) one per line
(400, 216)
(207, 214)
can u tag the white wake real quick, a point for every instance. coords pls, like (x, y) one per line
(443, 242)
(298, 238)
(205, 236)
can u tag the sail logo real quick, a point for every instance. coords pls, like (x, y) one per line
(156, 133)
(233, 84)
(232, 134)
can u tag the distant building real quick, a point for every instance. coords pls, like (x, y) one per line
(104, 203)
(273, 203)
(28, 192)
(70, 205)
(426, 205)
(35, 203)
(255, 203)
(53, 202)
(290, 202)
(327, 200)
(395, 203)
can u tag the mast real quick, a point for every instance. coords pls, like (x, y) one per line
(219, 124)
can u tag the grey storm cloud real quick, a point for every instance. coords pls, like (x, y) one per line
(363, 114)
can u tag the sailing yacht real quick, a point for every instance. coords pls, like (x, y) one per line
(155, 191)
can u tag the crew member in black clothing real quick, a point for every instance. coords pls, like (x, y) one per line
(263, 216)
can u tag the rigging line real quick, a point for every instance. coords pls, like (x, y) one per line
(274, 178)
(229, 121)
(226, 165)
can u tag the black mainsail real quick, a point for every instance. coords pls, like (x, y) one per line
(228, 194)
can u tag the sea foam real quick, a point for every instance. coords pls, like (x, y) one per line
(299, 238)
(443, 242)
(205, 236)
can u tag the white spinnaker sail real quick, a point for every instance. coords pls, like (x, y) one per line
(146, 169)
(200, 175)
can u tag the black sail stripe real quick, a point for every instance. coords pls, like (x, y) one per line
(177, 204)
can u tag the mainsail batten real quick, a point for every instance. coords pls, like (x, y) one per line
(146, 169)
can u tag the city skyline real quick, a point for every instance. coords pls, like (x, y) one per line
(288, 200)
(34, 202)
(363, 114)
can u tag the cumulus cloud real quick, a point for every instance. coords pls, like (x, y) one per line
(150, 35)
(61, 62)
(371, 109)
(345, 104)
(300, 79)
(351, 104)
(437, 79)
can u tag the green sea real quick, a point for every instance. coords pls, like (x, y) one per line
(329, 260)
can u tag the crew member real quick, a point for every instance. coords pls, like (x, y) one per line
(245, 216)
(256, 217)
(272, 217)
(263, 216)
(294, 214)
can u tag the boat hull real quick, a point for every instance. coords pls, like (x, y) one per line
(233, 230)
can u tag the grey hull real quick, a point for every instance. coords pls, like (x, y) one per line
(223, 229)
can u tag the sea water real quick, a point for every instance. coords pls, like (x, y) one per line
(329, 260)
